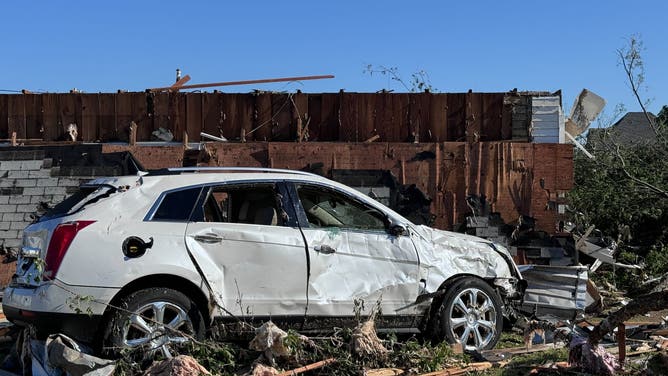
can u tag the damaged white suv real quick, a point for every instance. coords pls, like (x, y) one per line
(151, 260)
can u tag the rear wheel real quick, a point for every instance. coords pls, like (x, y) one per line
(154, 320)
(471, 314)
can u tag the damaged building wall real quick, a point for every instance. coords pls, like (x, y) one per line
(516, 178)
(264, 116)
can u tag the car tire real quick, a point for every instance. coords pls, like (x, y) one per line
(154, 320)
(471, 314)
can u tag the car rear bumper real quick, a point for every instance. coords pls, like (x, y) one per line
(54, 307)
(79, 326)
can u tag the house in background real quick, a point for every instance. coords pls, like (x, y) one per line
(632, 129)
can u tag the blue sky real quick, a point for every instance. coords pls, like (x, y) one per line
(486, 46)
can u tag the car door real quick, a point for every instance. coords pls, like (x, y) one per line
(250, 250)
(353, 258)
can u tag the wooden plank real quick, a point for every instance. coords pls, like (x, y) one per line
(69, 112)
(315, 122)
(140, 116)
(283, 128)
(299, 114)
(438, 117)
(473, 117)
(107, 126)
(123, 115)
(33, 111)
(16, 121)
(262, 111)
(330, 127)
(50, 117)
(245, 105)
(176, 110)
(211, 113)
(90, 115)
(419, 115)
(456, 117)
(193, 116)
(4, 117)
(349, 117)
(492, 114)
(161, 111)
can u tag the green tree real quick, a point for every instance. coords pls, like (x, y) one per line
(623, 190)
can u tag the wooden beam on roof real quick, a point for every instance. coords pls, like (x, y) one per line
(233, 83)
(178, 84)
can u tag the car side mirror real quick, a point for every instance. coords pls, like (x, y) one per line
(398, 229)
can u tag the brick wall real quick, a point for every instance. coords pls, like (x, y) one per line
(27, 179)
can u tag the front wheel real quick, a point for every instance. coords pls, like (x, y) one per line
(471, 314)
(153, 320)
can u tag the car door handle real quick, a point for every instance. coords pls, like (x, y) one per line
(210, 239)
(324, 248)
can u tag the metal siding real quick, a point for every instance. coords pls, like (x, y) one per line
(546, 126)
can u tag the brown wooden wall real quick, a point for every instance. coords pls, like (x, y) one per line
(348, 117)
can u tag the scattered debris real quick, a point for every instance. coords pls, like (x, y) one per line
(162, 134)
(591, 358)
(365, 341)
(269, 339)
(181, 365)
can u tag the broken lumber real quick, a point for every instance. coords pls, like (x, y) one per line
(308, 367)
(481, 366)
(655, 301)
(384, 372)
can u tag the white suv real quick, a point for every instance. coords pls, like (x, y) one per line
(151, 260)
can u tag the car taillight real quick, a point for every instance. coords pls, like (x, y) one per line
(60, 241)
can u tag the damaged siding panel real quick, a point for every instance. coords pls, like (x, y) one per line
(555, 291)
(547, 121)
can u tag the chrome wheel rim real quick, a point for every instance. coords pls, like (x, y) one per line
(472, 316)
(156, 327)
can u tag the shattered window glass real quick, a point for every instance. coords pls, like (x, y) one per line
(178, 205)
(325, 208)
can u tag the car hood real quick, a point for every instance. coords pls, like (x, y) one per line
(447, 253)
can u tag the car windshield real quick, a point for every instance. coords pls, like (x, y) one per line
(86, 194)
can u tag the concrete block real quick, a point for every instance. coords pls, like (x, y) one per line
(57, 191)
(4, 200)
(43, 173)
(18, 174)
(4, 226)
(47, 182)
(9, 234)
(10, 165)
(8, 208)
(27, 208)
(20, 199)
(38, 199)
(7, 182)
(36, 191)
(47, 163)
(70, 182)
(26, 182)
(32, 165)
(11, 192)
(11, 217)
(18, 225)
(12, 243)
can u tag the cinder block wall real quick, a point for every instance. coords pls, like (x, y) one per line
(28, 180)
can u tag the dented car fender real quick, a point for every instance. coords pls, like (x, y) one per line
(445, 254)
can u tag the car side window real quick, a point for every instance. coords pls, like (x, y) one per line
(327, 208)
(178, 205)
(252, 204)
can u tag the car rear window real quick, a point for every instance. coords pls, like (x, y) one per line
(178, 205)
(85, 195)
